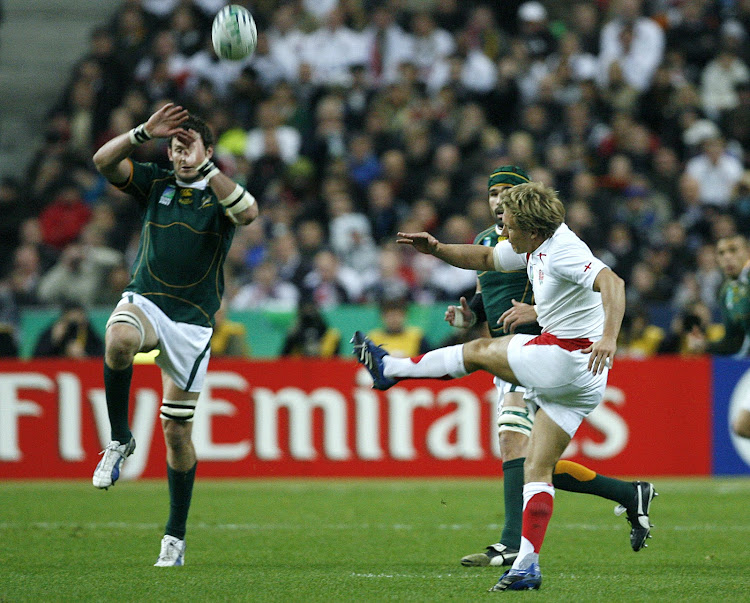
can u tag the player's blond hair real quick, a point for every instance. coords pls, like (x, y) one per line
(535, 208)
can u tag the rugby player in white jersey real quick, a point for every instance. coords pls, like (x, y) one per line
(580, 303)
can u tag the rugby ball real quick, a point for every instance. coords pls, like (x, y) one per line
(233, 33)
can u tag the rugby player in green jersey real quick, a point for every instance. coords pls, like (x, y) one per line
(504, 301)
(733, 255)
(190, 215)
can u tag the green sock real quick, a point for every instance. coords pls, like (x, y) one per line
(180, 493)
(117, 389)
(577, 478)
(513, 497)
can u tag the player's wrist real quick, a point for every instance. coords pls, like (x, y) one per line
(207, 169)
(139, 135)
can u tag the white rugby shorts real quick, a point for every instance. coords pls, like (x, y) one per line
(556, 376)
(184, 348)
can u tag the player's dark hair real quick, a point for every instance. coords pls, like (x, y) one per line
(197, 124)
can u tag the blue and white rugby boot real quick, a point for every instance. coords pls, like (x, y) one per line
(525, 579)
(172, 552)
(107, 472)
(637, 514)
(371, 356)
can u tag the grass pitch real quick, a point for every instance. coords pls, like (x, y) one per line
(351, 540)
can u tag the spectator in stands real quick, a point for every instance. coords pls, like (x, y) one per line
(63, 219)
(13, 211)
(70, 336)
(720, 80)
(716, 171)
(310, 334)
(286, 40)
(81, 272)
(695, 317)
(9, 322)
(24, 276)
(332, 49)
(329, 284)
(350, 236)
(534, 30)
(229, 338)
(638, 338)
(633, 42)
(266, 291)
(395, 335)
(386, 46)
(431, 44)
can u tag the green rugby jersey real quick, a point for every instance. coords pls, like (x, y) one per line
(734, 298)
(499, 288)
(184, 242)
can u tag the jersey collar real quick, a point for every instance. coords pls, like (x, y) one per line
(199, 184)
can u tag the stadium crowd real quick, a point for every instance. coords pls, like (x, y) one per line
(358, 118)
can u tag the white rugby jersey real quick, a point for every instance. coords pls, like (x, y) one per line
(562, 271)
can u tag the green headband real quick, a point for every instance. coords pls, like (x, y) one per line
(508, 174)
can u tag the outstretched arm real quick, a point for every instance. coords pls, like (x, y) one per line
(471, 257)
(612, 288)
(110, 159)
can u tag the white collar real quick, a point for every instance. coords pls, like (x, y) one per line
(199, 184)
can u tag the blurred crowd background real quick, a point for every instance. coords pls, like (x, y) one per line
(358, 118)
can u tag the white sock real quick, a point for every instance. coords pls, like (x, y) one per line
(535, 487)
(443, 363)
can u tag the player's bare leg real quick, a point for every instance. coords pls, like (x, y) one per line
(128, 332)
(177, 411)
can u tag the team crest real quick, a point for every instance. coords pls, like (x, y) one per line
(186, 196)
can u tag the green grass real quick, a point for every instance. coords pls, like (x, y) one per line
(351, 540)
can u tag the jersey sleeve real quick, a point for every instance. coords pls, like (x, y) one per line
(141, 179)
(506, 259)
(577, 264)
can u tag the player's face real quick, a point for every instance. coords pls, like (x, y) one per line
(185, 157)
(732, 254)
(520, 241)
(495, 204)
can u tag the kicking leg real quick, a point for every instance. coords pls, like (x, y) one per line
(445, 363)
(128, 332)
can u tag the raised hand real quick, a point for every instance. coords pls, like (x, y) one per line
(166, 121)
(423, 242)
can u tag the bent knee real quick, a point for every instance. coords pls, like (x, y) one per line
(176, 434)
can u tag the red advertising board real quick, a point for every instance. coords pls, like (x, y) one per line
(320, 418)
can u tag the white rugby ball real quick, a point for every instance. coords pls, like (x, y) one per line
(233, 33)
